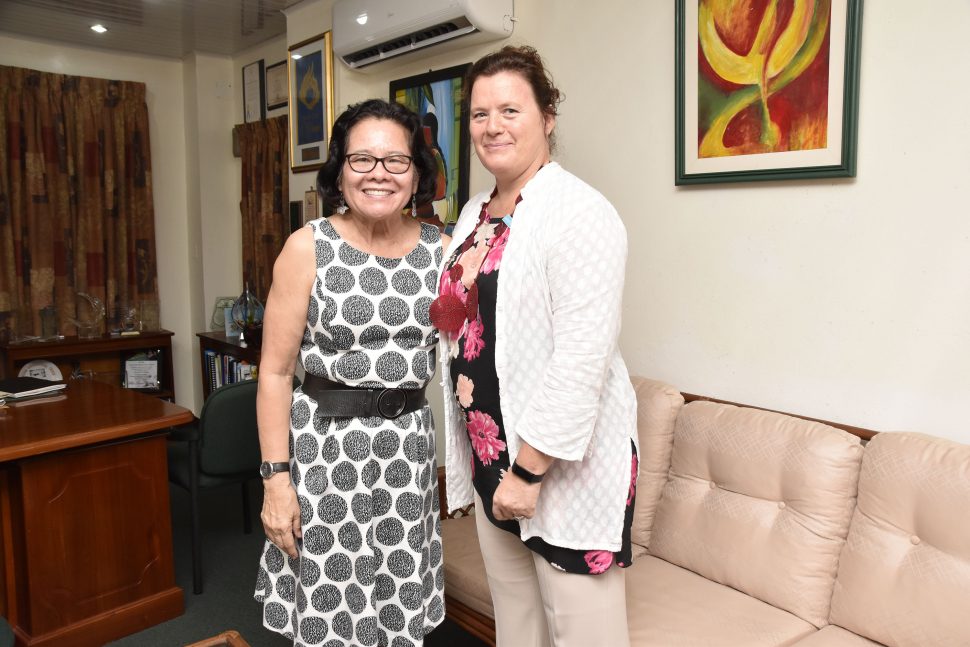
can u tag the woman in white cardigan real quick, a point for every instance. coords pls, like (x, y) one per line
(540, 416)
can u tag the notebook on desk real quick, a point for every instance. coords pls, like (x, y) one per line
(20, 388)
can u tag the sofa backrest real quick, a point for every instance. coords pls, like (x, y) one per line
(904, 573)
(759, 501)
(657, 407)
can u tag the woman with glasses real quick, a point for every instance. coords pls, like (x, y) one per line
(353, 552)
(540, 415)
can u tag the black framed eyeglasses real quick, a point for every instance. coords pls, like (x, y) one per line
(364, 163)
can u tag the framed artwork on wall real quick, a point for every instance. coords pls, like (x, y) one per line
(771, 94)
(276, 86)
(436, 98)
(310, 80)
(253, 92)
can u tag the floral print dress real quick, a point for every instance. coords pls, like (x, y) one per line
(465, 311)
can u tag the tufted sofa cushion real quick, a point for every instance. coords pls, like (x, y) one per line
(760, 502)
(904, 574)
(657, 407)
(668, 606)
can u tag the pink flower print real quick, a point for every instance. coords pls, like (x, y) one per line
(464, 389)
(470, 262)
(633, 479)
(598, 560)
(494, 258)
(484, 232)
(450, 285)
(473, 339)
(484, 435)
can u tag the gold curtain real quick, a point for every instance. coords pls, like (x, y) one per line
(76, 210)
(264, 146)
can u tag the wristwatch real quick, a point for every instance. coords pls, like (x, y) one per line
(267, 469)
(525, 474)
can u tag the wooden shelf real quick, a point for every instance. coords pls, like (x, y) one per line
(218, 342)
(100, 357)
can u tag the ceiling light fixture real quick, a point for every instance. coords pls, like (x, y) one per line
(362, 19)
(99, 28)
(296, 57)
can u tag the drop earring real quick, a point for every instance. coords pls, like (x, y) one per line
(342, 207)
(414, 205)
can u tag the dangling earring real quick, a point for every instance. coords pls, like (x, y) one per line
(342, 207)
(414, 205)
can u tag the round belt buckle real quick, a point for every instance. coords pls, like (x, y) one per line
(391, 402)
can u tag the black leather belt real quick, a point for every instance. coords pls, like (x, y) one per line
(338, 400)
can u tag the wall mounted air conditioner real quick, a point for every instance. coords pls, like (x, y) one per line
(371, 31)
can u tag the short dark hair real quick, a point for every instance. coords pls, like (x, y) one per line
(328, 178)
(526, 62)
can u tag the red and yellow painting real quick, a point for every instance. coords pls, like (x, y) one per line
(763, 76)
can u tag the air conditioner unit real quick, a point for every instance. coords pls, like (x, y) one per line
(366, 32)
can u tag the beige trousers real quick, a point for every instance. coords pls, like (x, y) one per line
(537, 605)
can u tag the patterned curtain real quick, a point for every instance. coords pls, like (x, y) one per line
(264, 146)
(76, 210)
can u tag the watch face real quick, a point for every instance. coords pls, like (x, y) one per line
(265, 469)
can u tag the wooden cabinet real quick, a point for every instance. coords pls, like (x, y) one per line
(216, 343)
(100, 358)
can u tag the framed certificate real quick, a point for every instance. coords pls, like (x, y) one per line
(254, 106)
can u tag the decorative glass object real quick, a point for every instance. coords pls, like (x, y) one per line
(90, 316)
(247, 313)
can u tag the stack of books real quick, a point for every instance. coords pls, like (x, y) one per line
(19, 389)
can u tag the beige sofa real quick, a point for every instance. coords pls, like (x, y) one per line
(755, 528)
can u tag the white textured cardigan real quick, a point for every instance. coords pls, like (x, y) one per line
(563, 386)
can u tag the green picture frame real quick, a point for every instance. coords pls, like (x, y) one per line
(730, 129)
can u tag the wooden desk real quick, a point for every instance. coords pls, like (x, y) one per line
(85, 527)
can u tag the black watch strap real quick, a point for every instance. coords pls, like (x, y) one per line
(267, 469)
(525, 474)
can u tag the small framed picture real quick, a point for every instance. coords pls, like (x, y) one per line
(254, 97)
(310, 79)
(276, 87)
(310, 206)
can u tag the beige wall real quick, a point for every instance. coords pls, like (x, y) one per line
(842, 299)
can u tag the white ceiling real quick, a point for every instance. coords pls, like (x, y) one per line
(170, 28)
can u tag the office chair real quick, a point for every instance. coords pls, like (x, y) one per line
(221, 448)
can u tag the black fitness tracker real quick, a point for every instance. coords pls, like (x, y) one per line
(525, 474)
(267, 469)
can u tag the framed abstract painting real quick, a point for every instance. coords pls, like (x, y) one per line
(766, 89)
(436, 98)
(310, 78)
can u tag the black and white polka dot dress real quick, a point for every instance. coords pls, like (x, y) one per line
(370, 565)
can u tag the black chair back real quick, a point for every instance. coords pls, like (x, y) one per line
(229, 438)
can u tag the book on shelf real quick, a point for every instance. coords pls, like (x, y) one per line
(20, 388)
(222, 369)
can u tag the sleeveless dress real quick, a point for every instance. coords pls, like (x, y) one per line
(471, 275)
(370, 566)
